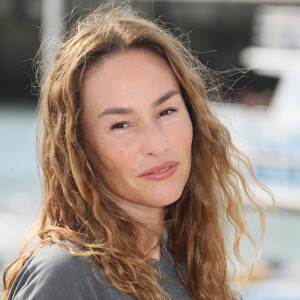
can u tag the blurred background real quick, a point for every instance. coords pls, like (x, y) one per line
(262, 110)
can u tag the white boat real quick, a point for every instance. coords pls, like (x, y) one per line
(270, 136)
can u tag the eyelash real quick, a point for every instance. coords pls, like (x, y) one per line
(117, 125)
(172, 109)
(120, 124)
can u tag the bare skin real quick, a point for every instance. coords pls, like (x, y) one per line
(139, 135)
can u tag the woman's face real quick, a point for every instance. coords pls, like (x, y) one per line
(137, 130)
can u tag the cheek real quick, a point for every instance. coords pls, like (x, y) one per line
(118, 159)
(182, 134)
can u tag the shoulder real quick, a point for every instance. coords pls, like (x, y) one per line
(55, 259)
(54, 262)
(53, 273)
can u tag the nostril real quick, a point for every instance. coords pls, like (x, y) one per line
(154, 141)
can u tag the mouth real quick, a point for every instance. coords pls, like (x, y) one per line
(160, 172)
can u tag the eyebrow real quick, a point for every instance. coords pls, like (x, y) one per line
(129, 110)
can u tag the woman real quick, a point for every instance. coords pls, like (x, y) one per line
(139, 177)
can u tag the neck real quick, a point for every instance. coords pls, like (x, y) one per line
(150, 243)
(153, 218)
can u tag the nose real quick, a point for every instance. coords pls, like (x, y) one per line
(154, 140)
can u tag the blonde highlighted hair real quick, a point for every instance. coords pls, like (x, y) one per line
(78, 207)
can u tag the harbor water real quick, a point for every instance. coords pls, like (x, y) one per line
(20, 203)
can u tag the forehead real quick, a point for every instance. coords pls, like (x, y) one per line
(128, 78)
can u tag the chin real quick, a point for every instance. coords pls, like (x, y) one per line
(167, 197)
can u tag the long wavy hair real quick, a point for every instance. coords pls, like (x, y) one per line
(78, 207)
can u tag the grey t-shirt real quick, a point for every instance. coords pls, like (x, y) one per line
(53, 273)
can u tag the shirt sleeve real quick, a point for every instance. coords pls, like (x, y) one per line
(52, 273)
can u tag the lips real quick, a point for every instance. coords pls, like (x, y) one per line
(159, 171)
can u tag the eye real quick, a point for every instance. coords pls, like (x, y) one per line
(119, 125)
(167, 111)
